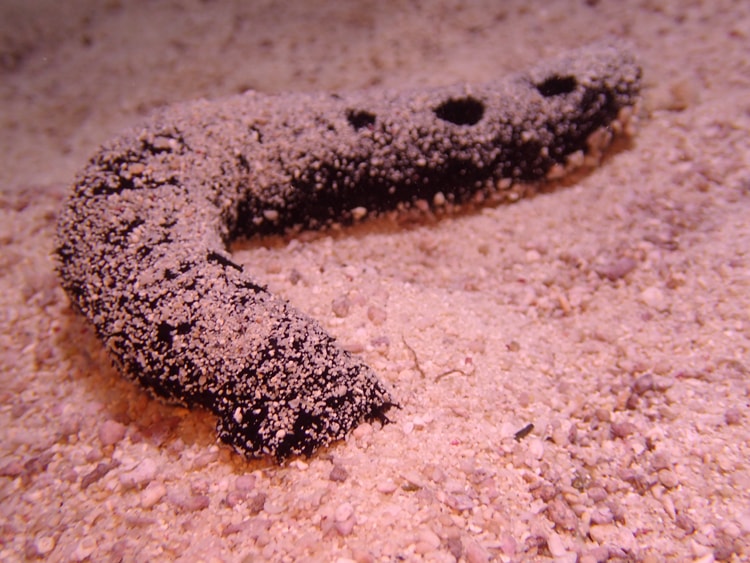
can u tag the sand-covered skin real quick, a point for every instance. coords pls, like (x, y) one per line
(612, 314)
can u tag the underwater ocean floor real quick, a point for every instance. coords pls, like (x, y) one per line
(572, 370)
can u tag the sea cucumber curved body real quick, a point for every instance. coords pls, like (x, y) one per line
(143, 238)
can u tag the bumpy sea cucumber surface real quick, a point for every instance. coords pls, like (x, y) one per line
(143, 238)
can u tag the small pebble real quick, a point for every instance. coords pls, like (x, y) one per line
(376, 315)
(256, 503)
(152, 494)
(725, 548)
(533, 255)
(598, 554)
(623, 429)
(654, 298)
(338, 474)
(345, 528)
(234, 498)
(684, 522)
(744, 522)
(69, 475)
(613, 535)
(661, 461)
(140, 476)
(597, 494)
(380, 344)
(363, 431)
(614, 271)
(295, 276)
(733, 415)
(668, 478)
(475, 553)
(111, 432)
(344, 519)
(685, 93)
(434, 473)
(454, 546)
(459, 502)
(188, 502)
(731, 529)
(555, 545)
(508, 544)
(343, 512)
(602, 516)
(341, 306)
(44, 545)
(563, 433)
(205, 459)
(643, 384)
(199, 486)
(94, 454)
(85, 548)
(636, 479)
(428, 539)
(70, 425)
(412, 481)
(97, 473)
(536, 448)
(632, 402)
(546, 492)
(11, 469)
(561, 514)
(245, 483)
(387, 487)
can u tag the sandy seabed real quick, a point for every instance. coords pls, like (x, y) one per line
(613, 314)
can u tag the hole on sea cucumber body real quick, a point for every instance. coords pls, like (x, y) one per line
(360, 118)
(556, 85)
(461, 111)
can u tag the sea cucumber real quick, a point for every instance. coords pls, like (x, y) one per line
(143, 239)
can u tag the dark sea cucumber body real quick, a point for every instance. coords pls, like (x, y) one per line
(142, 241)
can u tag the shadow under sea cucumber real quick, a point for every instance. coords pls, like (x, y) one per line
(142, 241)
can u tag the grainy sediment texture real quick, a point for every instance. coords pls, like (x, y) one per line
(612, 314)
(143, 238)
